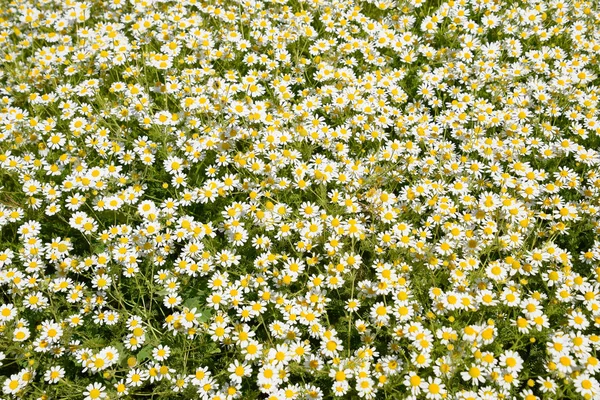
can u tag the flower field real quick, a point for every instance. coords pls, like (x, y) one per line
(299, 199)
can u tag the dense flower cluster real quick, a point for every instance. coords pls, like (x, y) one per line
(300, 199)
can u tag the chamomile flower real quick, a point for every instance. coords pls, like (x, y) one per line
(54, 374)
(95, 391)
